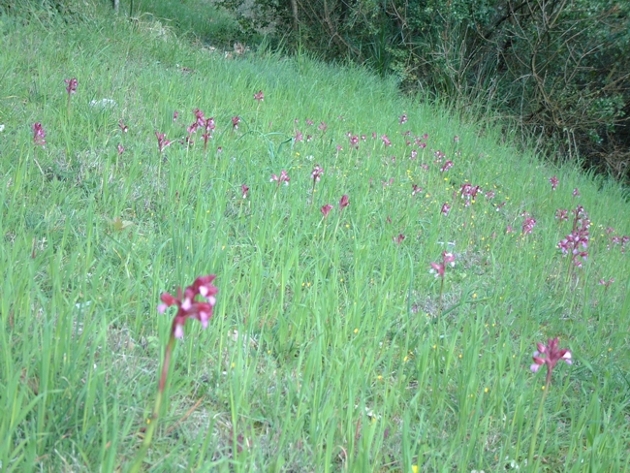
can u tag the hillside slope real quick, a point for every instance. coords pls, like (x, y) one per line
(333, 346)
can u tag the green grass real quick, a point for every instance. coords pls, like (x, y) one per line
(197, 19)
(328, 350)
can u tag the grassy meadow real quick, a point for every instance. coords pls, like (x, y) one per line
(333, 347)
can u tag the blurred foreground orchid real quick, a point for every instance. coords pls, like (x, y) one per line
(195, 302)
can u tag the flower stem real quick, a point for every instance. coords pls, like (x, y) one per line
(439, 313)
(153, 420)
(532, 445)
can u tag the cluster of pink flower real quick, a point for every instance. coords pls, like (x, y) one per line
(448, 259)
(163, 143)
(606, 283)
(549, 355)
(439, 156)
(529, 223)
(354, 140)
(576, 242)
(316, 173)
(201, 122)
(39, 134)
(71, 85)
(468, 192)
(283, 177)
(447, 165)
(615, 240)
(562, 215)
(188, 304)
(299, 136)
(399, 239)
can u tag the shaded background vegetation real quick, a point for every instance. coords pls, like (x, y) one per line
(557, 69)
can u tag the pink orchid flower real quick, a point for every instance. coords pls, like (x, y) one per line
(283, 177)
(39, 134)
(188, 304)
(326, 209)
(549, 355)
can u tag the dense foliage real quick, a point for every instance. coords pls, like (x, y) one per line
(559, 69)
